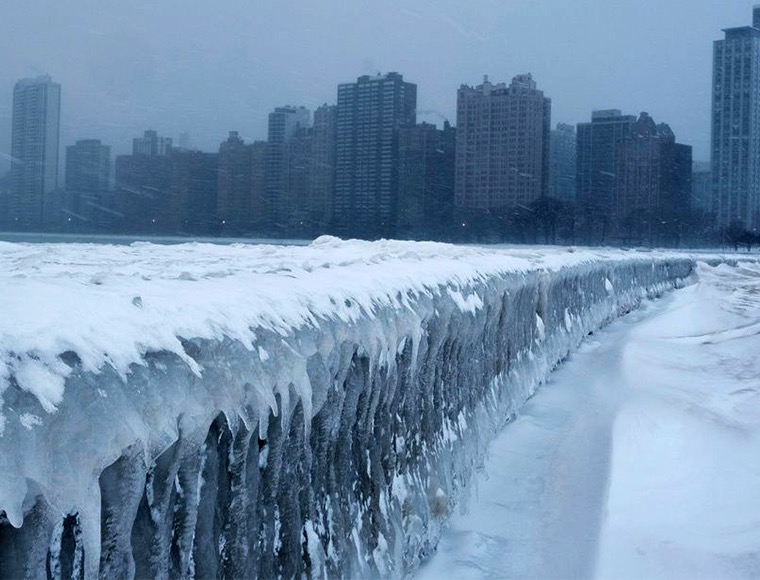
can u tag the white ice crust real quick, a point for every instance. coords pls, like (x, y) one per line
(112, 304)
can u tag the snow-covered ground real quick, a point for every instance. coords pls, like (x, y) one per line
(639, 459)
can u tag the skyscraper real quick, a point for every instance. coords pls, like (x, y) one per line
(299, 162)
(190, 204)
(596, 186)
(234, 196)
(34, 147)
(502, 153)
(174, 193)
(426, 189)
(143, 182)
(371, 113)
(258, 185)
(142, 186)
(653, 185)
(323, 167)
(88, 178)
(284, 124)
(736, 125)
(563, 163)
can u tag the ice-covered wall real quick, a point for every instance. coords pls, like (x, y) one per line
(331, 445)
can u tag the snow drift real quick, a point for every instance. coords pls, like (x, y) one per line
(243, 411)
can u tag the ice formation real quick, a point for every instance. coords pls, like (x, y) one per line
(260, 411)
(641, 458)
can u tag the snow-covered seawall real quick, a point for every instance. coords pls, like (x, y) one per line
(244, 411)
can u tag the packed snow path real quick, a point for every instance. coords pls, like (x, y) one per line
(257, 411)
(639, 459)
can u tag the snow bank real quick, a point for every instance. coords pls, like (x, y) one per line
(640, 460)
(688, 506)
(266, 410)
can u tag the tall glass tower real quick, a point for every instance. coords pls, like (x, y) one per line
(736, 126)
(34, 147)
(370, 115)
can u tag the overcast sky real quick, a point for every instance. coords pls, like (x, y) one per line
(209, 66)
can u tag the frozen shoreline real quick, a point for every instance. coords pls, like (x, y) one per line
(325, 403)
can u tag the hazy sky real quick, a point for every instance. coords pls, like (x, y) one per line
(209, 66)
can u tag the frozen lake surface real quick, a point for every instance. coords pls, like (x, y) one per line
(639, 459)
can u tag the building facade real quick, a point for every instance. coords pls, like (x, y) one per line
(426, 188)
(562, 164)
(141, 188)
(736, 126)
(370, 115)
(5, 192)
(284, 124)
(701, 187)
(172, 194)
(323, 167)
(598, 143)
(35, 137)
(234, 208)
(653, 185)
(258, 185)
(502, 144)
(142, 182)
(88, 182)
(191, 201)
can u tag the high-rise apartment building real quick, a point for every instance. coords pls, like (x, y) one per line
(502, 150)
(296, 206)
(191, 201)
(141, 189)
(736, 126)
(259, 185)
(370, 115)
(284, 124)
(596, 185)
(426, 189)
(34, 147)
(88, 179)
(175, 193)
(234, 196)
(653, 185)
(323, 167)
(562, 164)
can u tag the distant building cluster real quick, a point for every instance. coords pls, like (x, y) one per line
(366, 168)
(633, 180)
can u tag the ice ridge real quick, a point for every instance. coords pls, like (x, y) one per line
(318, 414)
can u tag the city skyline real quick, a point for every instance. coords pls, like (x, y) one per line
(123, 75)
(386, 165)
(502, 162)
